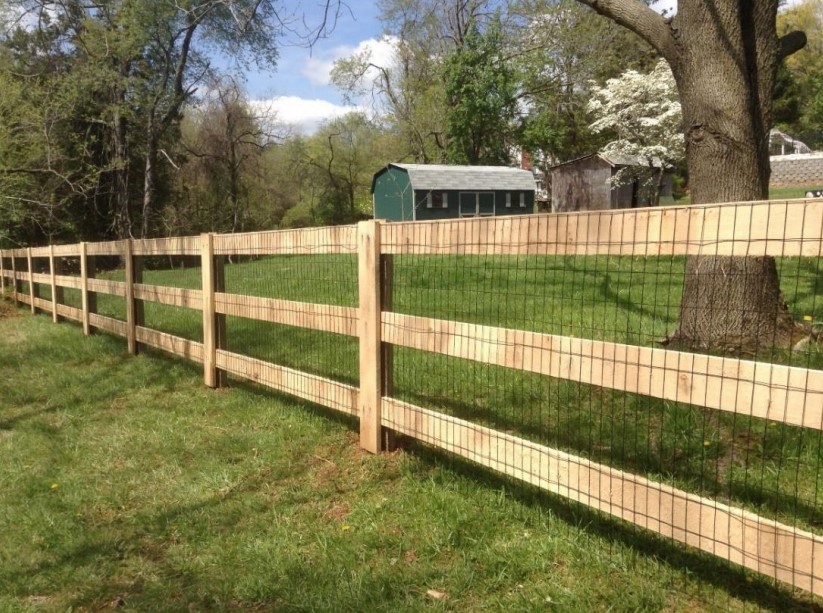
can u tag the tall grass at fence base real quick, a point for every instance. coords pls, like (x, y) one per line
(126, 484)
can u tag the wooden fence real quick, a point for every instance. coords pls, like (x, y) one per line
(785, 394)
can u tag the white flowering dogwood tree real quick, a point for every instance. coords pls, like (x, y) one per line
(643, 111)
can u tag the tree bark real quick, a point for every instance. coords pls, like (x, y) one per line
(149, 184)
(122, 214)
(733, 305)
(724, 56)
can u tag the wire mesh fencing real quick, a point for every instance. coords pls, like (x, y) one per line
(660, 366)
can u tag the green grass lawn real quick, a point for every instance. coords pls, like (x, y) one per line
(775, 193)
(126, 484)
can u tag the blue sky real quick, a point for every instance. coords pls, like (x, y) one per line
(298, 90)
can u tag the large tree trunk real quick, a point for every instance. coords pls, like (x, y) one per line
(730, 304)
(724, 55)
(733, 305)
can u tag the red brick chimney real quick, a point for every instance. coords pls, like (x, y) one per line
(525, 159)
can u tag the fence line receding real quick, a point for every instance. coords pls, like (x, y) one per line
(528, 345)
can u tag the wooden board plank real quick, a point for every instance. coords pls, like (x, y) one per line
(68, 281)
(42, 304)
(766, 546)
(40, 252)
(328, 240)
(102, 286)
(175, 345)
(41, 277)
(178, 245)
(174, 296)
(107, 248)
(778, 228)
(63, 310)
(67, 250)
(319, 390)
(324, 317)
(787, 394)
(109, 324)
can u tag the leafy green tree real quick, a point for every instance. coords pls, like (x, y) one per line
(219, 184)
(559, 48)
(799, 85)
(481, 100)
(117, 78)
(344, 155)
(407, 91)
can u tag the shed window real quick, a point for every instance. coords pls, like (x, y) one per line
(508, 200)
(522, 200)
(437, 200)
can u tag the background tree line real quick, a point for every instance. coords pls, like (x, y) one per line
(116, 122)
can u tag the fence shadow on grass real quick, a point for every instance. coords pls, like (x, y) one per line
(732, 579)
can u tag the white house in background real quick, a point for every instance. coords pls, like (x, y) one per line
(781, 143)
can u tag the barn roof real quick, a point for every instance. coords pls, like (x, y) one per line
(614, 160)
(473, 178)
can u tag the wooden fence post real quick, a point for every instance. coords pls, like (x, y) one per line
(32, 291)
(85, 302)
(2, 274)
(52, 274)
(15, 284)
(134, 308)
(371, 356)
(212, 272)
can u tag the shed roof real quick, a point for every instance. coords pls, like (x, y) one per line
(614, 160)
(474, 178)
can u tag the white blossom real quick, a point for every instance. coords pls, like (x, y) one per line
(643, 111)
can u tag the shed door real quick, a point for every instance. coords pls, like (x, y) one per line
(473, 204)
(486, 204)
(468, 204)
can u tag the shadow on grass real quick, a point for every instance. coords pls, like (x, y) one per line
(574, 434)
(734, 580)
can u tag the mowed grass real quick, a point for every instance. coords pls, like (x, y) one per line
(775, 193)
(128, 485)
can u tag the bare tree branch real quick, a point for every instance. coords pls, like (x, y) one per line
(640, 19)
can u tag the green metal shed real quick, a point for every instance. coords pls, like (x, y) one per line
(416, 192)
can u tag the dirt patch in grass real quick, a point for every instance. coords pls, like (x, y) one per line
(7, 309)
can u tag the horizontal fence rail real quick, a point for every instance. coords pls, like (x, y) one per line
(785, 395)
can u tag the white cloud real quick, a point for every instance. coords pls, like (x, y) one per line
(380, 51)
(305, 115)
